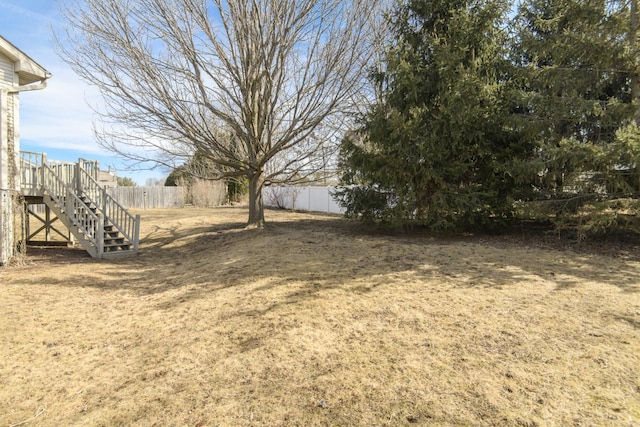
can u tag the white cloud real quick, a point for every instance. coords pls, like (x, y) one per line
(59, 114)
(57, 117)
(27, 13)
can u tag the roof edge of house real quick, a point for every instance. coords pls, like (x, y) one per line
(28, 70)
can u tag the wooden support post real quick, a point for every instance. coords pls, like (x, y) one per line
(78, 178)
(40, 185)
(70, 239)
(103, 199)
(100, 236)
(136, 233)
(47, 224)
(69, 205)
(27, 223)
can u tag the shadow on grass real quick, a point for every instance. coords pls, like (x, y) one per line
(327, 253)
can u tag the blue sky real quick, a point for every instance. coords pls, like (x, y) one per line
(57, 120)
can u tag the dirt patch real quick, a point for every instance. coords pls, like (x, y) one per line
(314, 322)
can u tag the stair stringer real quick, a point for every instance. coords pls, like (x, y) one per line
(74, 226)
(117, 219)
(104, 228)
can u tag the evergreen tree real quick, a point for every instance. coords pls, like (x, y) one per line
(125, 181)
(576, 62)
(440, 149)
(178, 176)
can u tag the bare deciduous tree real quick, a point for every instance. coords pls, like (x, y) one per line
(257, 86)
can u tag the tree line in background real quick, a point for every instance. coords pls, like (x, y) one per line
(199, 178)
(486, 115)
(200, 170)
(475, 112)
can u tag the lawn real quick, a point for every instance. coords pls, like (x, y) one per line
(314, 321)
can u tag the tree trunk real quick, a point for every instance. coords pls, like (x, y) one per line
(635, 74)
(256, 205)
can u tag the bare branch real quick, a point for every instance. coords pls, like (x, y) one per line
(251, 84)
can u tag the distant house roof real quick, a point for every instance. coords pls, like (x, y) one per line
(28, 70)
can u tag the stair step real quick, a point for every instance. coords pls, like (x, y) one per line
(116, 241)
(118, 247)
(81, 221)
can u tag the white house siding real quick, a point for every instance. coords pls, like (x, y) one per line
(11, 78)
(6, 197)
(13, 143)
(9, 119)
(6, 232)
(7, 74)
(8, 160)
(7, 77)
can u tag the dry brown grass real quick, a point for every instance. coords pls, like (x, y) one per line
(313, 322)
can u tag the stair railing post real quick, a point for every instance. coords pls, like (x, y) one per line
(100, 236)
(42, 184)
(103, 195)
(136, 233)
(69, 204)
(76, 180)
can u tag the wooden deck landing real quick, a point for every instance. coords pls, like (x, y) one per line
(66, 202)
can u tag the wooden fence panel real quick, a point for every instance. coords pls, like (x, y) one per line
(148, 197)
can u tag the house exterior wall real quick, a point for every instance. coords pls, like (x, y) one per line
(108, 178)
(9, 159)
(6, 204)
(17, 72)
(8, 79)
(7, 74)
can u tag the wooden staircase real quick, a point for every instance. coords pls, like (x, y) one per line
(70, 190)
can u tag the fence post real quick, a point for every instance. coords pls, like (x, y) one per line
(328, 198)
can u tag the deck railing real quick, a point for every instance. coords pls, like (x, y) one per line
(77, 212)
(67, 183)
(32, 171)
(91, 167)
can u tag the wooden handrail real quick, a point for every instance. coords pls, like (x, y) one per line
(31, 172)
(113, 211)
(78, 213)
(67, 184)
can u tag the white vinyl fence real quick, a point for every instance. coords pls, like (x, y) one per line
(312, 198)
